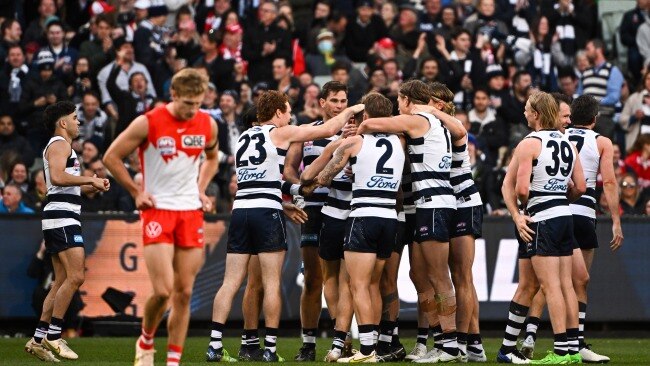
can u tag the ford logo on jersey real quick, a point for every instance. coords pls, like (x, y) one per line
(445, 163)
(377, 181)
(555, 135)
(577, 132)
(246, 174)
(555, 184)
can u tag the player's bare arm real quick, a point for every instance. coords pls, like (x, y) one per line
(339, 160)
(124, 145)
(414, 126)
(57, 156)
(510, 198)
(210, 165)
(288, 134)
(319, 164)
(456, 129)
(527, 151)
(579, 186)
(610, 188)
(292, 163)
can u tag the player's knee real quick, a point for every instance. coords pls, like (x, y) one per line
(182, 296)
(76, 279)
(313, 284)
(581, 281)
(419, 281)
(461, 278)
(161, 295)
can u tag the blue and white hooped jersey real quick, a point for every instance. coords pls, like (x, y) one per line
(465, 190)
(63, 206)
(550, 176)
(585, 141)
(259, 164)
(339, 197)
(311, 150)
(377, 172)
(431, 159)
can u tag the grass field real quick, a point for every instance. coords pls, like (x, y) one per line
(119, 351)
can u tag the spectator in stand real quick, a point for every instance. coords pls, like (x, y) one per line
(115, 199)
(638, 160)
(245, 98)
(384, 49)
(635, 118)
(125, 56)
(342, 72)
(40, 91)
(485, 22)
(265, 42)
(388, 14)
(18, 176)
(310, 111)
(568, 82)
(512, 108)
(466, 68)
(11, 33)
(430, 18)
(186, 39)
(283, 78)
(363, 31)
(320, 63)
(543, 74)
(230, 128)
(93, 120)
(13, 78)
(211, 17)
(99, 50)
(322, 10)
(406, 33)
(12, 201)
(496, 85)
(430, 71)
(89, 153)
(628, 29)
(631, 204)
(132, 103)
(12, 145)
(492, 131)
(285, 21)
(64, 56)
(82, 81)
(36, 196)
(604, 82)
(481, 114)
(230, 67)
(337, 23)
(210, 104)
(150, 38)
(35, 31)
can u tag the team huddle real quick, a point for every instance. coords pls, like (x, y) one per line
(372, 184)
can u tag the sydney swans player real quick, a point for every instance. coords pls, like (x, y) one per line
(171, 140)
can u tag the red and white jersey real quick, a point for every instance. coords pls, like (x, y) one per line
(171, 156)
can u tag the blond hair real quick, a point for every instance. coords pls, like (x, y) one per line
(440, 92)
(547, 108)
(189, 82)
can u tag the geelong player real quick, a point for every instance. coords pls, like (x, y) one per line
(377, 161)
(596, 155)
(257, 224)
(333, 100)
(550, 244)
(171, 140)
(62, 229)
(430, 156)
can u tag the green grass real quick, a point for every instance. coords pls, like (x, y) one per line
(119, 351)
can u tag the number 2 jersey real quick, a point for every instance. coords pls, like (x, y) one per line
(259, 165)
(550, 176)
(585, 141)
(377, 172)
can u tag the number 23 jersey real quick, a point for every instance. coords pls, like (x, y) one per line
(259, 165)
(550, 176)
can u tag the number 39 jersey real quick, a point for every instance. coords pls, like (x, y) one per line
(550, 177)
(585, 141)
(377, 172)
(259, 166)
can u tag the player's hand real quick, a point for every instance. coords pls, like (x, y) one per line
(348, 171)
(356, 108)
(350, 129)
(294, 213)
(617, 239)
(206, 203)
(525, 232)
(100, 184)
(308, 189)
(144, 200)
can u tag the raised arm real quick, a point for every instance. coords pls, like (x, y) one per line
(610, 188)
(340, 158)
(124, 145)
(311, 132)
(397, 124)
(458, 132)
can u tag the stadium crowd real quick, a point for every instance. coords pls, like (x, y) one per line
(115, 60)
